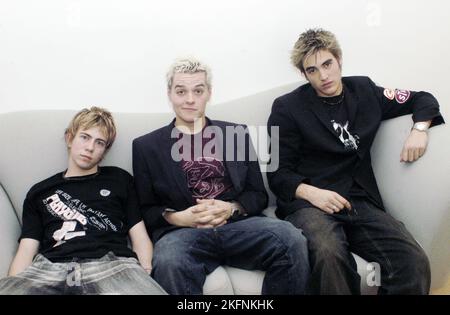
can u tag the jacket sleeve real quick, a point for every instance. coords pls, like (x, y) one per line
(397, 102)
(149, 203)
(284, 180)
(253, 197)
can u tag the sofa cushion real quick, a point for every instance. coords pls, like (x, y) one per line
(218, 283)
(9, 232)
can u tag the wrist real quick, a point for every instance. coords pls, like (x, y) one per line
(421, 126)
(169, 215)
(148, 269)
(303, 191)
(235, 210)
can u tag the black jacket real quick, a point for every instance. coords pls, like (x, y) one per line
(161, 183)
(310, 150)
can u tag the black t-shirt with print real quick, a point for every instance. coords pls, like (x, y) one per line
(337, 109)
(82, 217)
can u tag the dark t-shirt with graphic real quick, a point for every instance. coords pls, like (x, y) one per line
(337, 109)
(82, 217)
(206, 174)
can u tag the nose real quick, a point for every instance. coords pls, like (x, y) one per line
(189, 98)
(90, 146)
(323, 74)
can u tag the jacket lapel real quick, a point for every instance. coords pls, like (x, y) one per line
(352, 106)
(231, 165)
(177, 173)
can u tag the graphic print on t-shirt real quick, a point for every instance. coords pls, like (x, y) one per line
(350, 141)
(77, 217)
(206, 177)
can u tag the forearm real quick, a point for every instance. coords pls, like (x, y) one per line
(144, 251)
(19, 264)
(304, 191)
(253, 202)
(153, 216)
(142, 245)
(285, 182)
(28, 248)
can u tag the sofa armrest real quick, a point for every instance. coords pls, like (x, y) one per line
(417, 193)
(9, 232)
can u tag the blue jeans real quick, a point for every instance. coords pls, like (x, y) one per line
(106, 275)
(184, 257)
(371, 234)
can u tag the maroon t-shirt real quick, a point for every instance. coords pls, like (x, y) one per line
(206, 174)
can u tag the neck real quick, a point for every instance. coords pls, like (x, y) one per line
(76, 172)
(340, 89)
(191, 127)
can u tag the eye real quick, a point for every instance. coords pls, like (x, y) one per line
(327, 64)
(311, 71)
(101, 143)
(198, 92)
(84, 137)
(180, 92)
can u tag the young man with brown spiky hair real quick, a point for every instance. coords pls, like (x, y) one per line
(325, 183)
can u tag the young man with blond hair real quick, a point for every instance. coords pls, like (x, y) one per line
(202, 196)
(325, 184)
(75, 224)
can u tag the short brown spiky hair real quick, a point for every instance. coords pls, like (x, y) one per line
(310, 42)
(93, 117)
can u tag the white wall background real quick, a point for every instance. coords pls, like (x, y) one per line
(69, 54)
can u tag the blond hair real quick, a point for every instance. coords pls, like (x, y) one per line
(310, 42)
(188, 65)
(93, 117)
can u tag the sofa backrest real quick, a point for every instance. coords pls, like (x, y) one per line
(32, 148)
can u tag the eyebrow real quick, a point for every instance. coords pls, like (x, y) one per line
(325, 62)
(183, 86)
(86, 134)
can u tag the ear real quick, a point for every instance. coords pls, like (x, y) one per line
(68, 137)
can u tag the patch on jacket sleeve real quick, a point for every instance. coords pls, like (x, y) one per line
(389, 93)
(401, 96)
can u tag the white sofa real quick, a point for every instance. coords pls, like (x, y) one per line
(32, 148)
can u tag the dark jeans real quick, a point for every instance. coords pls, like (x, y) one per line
(184, 257)
(106, 275)
(373, 235)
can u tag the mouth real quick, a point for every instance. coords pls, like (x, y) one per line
(85, 157)
(327, 85)
(189, 109)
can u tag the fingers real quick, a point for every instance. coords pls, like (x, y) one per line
(335, 204)
(421, 152)
(334, 208)
(205, 201)
(207, 216)
(411, 154)
(212, 223)
(327, 210)
(345, 203)
(414, 147)
(404, 155)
